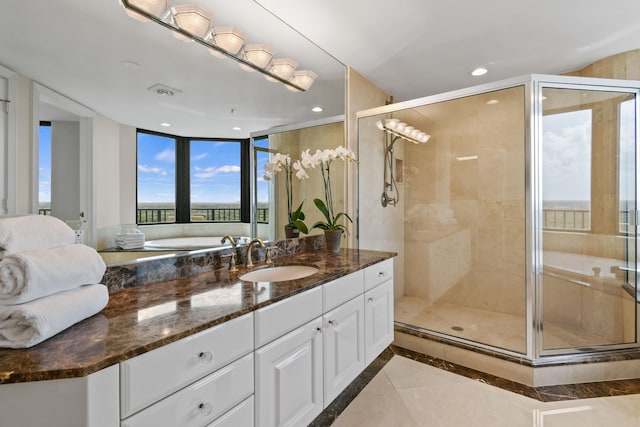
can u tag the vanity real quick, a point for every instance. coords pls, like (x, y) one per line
(210, 350)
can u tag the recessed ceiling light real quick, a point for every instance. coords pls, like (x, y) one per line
(236, 128)
(165, 124)
(317, 109)
(479, 72)
(492, 102)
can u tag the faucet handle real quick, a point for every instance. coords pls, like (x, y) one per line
(267, 256)
(232, 261)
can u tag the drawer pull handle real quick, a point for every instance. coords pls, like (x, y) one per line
(370, 300)
(319, 330)
(205, 409)
(205, 356)
(333, 323)
(382, 273)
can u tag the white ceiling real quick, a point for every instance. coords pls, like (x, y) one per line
(415, 48)
(409, 48)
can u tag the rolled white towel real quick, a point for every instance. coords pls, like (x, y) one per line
(27, 232)
(25, 325)
(25, 276)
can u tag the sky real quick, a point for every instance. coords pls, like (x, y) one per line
(44, 165)
(215, 170)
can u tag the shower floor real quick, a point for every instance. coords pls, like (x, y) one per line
(507, 331)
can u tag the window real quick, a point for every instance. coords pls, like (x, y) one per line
(627, 164)
(215, 180)
(44, 169)
(566, 170)
(156, 178)
(261, 152)
(191, 179)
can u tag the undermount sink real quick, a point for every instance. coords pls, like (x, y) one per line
(279, 273)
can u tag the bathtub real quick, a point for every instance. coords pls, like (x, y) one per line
(190, 243)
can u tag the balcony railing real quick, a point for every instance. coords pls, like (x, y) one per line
(166, 215)
(566, 219)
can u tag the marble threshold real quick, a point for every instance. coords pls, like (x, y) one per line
(551, 371)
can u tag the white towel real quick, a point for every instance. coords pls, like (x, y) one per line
(25, 325)
(27, 232)
(25, 276)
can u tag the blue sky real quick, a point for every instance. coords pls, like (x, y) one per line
(44, 160)
(215, 170)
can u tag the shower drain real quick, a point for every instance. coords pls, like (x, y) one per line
(457, 328)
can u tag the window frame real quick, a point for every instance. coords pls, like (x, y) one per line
(183, 181)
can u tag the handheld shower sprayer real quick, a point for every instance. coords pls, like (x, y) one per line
(394, 130)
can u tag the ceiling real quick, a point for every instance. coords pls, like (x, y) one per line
(410, 49)
(415, 48)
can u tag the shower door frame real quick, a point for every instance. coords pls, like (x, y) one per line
(573, 83)
(532, 85)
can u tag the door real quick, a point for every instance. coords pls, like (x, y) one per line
(378, 320)
(289, 378)
(343, 347)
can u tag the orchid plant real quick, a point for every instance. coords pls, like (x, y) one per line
(323, 159)
(282, 162)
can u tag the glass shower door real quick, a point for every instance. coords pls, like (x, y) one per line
(589, 206)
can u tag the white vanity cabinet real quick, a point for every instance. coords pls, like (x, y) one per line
(302, 365)
(192, 381)
(289, 378)
(378, 309)
(344, 354)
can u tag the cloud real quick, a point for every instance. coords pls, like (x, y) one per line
(199, 157)
(213, 171)
(167, 155)
(154, 170)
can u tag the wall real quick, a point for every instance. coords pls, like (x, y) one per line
(293, 142)
(378, 228)
(24, 184)
(65, 180)
(625, 66)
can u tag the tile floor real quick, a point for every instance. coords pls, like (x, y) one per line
(407, 393)
(487, 326)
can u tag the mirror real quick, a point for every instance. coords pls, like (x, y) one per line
(96, 55)
(272, 212)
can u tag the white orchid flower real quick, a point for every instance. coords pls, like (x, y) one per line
(301, 173)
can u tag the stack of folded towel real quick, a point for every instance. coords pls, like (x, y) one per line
(130, 239)
(47, 282)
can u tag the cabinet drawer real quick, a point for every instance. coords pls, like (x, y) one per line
(342, 290)
(203, 401)
(151, 376)
(240, 416)
(378, 273)
(277, 319)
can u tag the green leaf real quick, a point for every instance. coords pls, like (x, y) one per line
(323, 208)
(301, 226)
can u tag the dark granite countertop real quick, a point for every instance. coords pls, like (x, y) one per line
(146, 317)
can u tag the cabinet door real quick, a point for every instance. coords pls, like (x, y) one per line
(378, 322)
(289, 378)
(343, 347)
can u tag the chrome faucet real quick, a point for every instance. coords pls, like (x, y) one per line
(229, 238)
(251, 243)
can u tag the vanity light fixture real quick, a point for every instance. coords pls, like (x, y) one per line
(193, 19)
(401, 130)
(194, 23)
(227, 38)
(152, 7)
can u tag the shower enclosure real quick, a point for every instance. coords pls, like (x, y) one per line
(516, 222)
